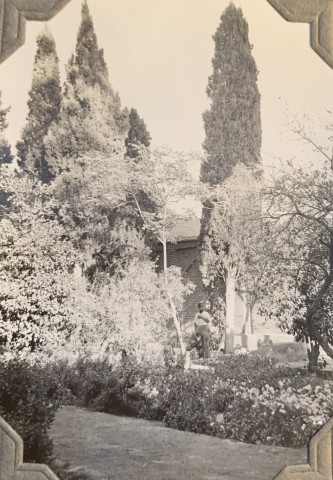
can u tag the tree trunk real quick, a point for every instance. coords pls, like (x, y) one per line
(230, 298)
(313, 354)
(313, 351)
(172, 304)
(248, 328)
(177, 324)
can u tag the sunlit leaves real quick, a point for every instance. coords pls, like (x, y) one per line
(39, 296)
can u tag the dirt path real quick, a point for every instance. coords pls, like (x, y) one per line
(120, 448)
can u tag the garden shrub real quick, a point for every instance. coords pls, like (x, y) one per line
(101, 386)
(119, 394)
(67, 380)
(29, 398)
(92, 377)
(257, 370)
(155, 387)
(245, 397)
(235, 402)
(286, 415)
(189, 402)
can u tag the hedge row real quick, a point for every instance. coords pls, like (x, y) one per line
(247, 398)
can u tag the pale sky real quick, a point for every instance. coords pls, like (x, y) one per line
(159, 58)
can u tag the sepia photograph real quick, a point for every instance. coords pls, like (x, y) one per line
(166, 240)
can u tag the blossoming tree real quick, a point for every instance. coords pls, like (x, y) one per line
(232, 242)
(164, 176)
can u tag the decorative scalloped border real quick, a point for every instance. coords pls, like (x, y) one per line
(320, 458)
(13, 17)
(11, 458)
(12, 466)
(319, 14)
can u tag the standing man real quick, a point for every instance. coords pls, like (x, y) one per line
(201, 324)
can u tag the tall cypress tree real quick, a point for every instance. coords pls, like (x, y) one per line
(91, 118)
(43, 107)
(88, 66)
(5, 150)
(87, 141)
(233, 135)
(232, 124)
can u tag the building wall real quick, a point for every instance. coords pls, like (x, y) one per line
(185, 254)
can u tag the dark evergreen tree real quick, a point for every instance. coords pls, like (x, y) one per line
(91, 118)
(85, 146)
(233, 136)
(121, 115)
(232, 124)
(138, 135)
(43, 107)
(5, 150)
(88, 66)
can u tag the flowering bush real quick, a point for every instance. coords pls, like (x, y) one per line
(242, 399)
(285, 415)
(247, 398)
(255, 370)
(188, 402)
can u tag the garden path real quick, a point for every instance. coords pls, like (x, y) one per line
(108, 447)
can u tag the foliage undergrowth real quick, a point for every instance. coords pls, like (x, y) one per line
(246, 398)
(29, 398)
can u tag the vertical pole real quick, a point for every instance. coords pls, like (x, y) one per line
(230, 311)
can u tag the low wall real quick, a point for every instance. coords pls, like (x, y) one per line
(250, 342)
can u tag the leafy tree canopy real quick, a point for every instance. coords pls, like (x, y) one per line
(297, 285)
(40, 300)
